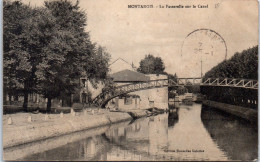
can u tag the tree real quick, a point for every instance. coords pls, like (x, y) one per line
(182, 90)
(16, 64)
(46, 50)
(97, 69)
(66, 54)
(25, 36)
(151, 65)
(70, 54)
(241, 65)
(173, 77)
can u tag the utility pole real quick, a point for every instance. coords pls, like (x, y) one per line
(201, 68)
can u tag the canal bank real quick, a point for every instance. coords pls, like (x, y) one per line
(28, 127)
(159, 138)
(21, 151)
(239, 111)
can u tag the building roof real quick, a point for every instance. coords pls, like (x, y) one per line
(129, 76)
(122, 60)
(119, 65)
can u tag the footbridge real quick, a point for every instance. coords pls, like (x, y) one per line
(103, 98)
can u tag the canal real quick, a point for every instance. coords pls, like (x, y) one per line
(192, 132)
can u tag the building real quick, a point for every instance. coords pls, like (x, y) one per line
(131, 100)
(122, 73)
(119, 65)
(143, 99)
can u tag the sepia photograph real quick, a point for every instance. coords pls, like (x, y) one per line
(130, 80)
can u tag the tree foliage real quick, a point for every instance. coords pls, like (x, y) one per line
(241, 65)
(47, 49)
(151, 65)
(26, 33)
(173, 77)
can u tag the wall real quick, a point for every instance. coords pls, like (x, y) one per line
(87, 91)
(94, 91)
(119, 103)
(157, 97)
(135, 104)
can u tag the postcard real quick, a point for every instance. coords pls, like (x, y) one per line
(130, 80)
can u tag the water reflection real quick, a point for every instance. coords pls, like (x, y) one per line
(236, 137)
(189, 133)
(173, 117)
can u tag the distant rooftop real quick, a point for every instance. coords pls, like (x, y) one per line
(122, 60)
(129, 76)
(119, 65)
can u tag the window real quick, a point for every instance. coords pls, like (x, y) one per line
(128, 101)
(84, 82)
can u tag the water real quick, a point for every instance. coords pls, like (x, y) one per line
(189, 133)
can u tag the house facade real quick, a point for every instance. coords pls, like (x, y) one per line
(143, 99)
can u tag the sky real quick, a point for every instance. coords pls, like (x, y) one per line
(132, 33)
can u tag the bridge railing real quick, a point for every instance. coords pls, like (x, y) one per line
(185, 81)
(127, 88)
(231, 82)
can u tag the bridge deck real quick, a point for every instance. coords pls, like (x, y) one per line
(104, 97)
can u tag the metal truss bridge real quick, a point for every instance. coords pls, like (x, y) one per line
(104, 97)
